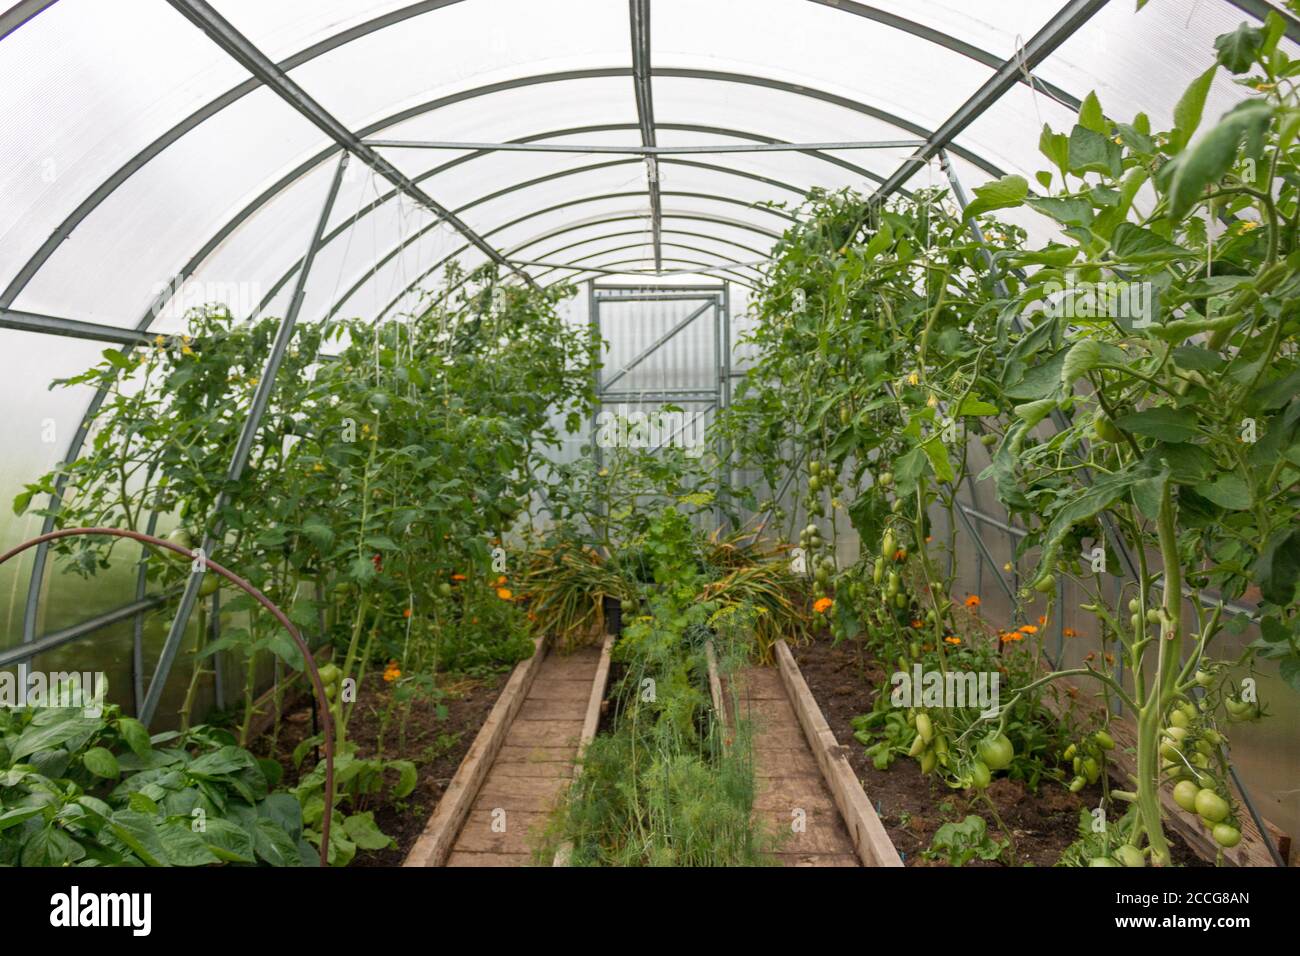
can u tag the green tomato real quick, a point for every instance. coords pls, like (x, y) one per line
(1211, 806)
(182, 538)
(1185, 795)
(1204, 678)
(886, 479)
(980, 775)
(1130, 855)
(1104, 740)
(209, 585)
(929, 760)
(1105, 429)
(1178, 719)
(997, 751)
(1077, 784)
(1226, 835)
(444, 589)
(924, 727)
(1046, 584)
(887, 545)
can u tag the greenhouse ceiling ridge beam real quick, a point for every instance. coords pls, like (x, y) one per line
(72, 328)
(1056, 31)
(248, 55)
(626, 233)
(239, 459)
(526, 147)
(639, 16)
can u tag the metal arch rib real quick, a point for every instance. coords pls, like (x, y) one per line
(47, 249)
(626, 233)
(1053, 33)
(20, 13)
(368, 276)
(597, 220)
(505, 191)
(239, 47)
(639, 18)
(23, 12)
(370, 207)
(550, 265)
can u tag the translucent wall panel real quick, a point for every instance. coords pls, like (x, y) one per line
(287, 26)
(83, 87)
(995, 26)
(140, 236)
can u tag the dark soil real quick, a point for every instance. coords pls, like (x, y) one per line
(436, 746)
(913, 806)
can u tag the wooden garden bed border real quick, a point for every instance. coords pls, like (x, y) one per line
(434, 845)
(869, 837)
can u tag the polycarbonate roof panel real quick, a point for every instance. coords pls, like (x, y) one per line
(137, 239)
(83, 87)
(996, 26)
(815, 46)
(463, 46)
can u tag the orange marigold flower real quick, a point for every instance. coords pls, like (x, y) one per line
(501, 580)
(1042, 621)
(954, 641)
(918, 624)
(406, 612)
(504, 594)
(972, 600)
(392, 672)
(1070, 632)
(822, 605)
(900, 554)
(1009, 637)
(1028, 629)
(458, 577)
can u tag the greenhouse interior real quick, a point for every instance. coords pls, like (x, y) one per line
(673, 433)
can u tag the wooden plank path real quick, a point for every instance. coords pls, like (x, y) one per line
(792, 799)
(533, 766)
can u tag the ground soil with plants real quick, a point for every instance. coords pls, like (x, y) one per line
(436, 738)
(913, 805)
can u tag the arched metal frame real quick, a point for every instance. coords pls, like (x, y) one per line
(622, 217)
(1007, 73)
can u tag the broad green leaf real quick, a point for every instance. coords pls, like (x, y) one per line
(1104, 492)
(1238, 49)
(1070, 212)
(1166, 424)
(938, 455)
(406, 780)
(273, 845)
(1277, 568)
(998, 194)
(140, 833)
(974, 407)
(1091, 151)
(17, 815)
(1206, 162)
(101, 762)
(183, 846)
(1132, 243)
(135, 735)
(362, 830)
(1083, 357)
(228, 841)
(1056, 147)
(1031, 413)
(880, 241)
(1091, 116)
(1187, 114)
(1227, 491)
(46, 737)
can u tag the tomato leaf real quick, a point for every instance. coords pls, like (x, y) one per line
(1166, 424)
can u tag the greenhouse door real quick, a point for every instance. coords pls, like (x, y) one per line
(667, 367)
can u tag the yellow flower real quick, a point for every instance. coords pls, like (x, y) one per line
(1248, 226)
(954, 641)
(159, 341)
(1265, 87)
(913, 379)
(186, 350)
(822, 605)
(932, 401)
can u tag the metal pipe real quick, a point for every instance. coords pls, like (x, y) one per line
(643, 150)
(243, 448)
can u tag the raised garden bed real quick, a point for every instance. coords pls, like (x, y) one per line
(911, 805)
